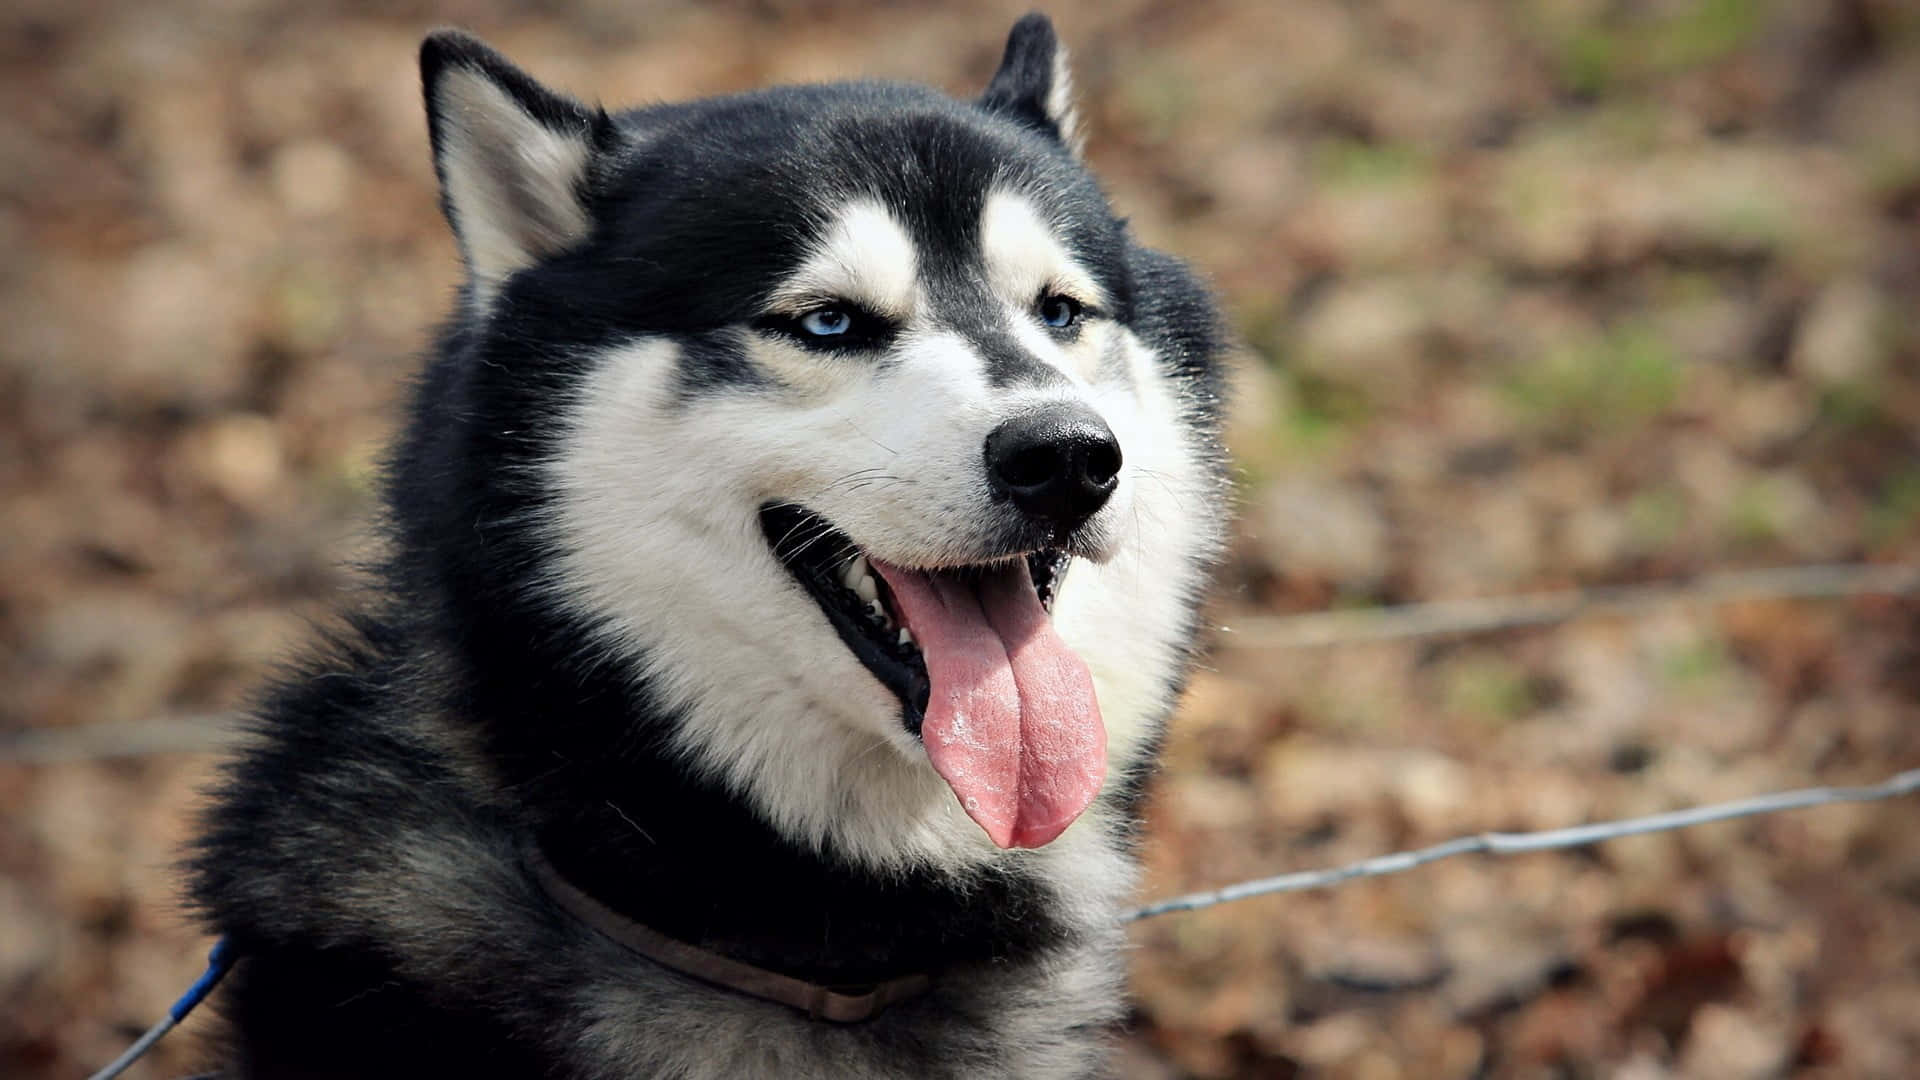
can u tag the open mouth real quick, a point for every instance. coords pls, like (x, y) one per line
(860, 603)
(1004, 708)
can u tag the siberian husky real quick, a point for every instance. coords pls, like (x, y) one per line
(797, 536)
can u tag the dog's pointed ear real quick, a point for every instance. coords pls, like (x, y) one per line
(1034, 84)
(513, 157)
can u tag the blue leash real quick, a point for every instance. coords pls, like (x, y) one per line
(219, 962)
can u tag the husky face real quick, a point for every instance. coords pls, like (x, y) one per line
(848, 420)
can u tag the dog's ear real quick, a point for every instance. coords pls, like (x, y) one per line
(514, 158)
(1034, 84)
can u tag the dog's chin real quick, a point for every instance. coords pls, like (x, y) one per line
(858, 603)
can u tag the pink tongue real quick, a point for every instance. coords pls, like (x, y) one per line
(1011, 722)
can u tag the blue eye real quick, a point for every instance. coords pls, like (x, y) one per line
(1059, 311)
(826, 322)
(833, 326)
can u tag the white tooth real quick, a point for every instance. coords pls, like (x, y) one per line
(906, 636)
(866, 589)
(878, 611)
(857, 569)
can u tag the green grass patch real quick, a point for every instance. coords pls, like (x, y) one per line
(1754, 517)
(1589, 60)
(1352, 163)
(1596, 55)
(1615, 381)
(1850, 406)
(1655, 519)
(1703, 32)
(1696, 665)
(1488, 688)
(1324, 408)
(1895, 513)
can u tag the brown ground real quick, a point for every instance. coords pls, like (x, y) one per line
(1582, 291)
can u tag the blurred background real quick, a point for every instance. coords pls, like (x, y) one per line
(1534, 296)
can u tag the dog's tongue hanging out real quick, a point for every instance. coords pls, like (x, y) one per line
(1011, 723)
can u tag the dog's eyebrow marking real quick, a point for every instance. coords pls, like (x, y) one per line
(865, 256)
(1023, 255)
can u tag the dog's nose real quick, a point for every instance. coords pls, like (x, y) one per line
(1058, 464)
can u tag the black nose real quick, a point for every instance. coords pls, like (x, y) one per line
(1058, 464)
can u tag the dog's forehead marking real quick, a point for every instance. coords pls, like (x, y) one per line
(1023, 254)
(863, 255)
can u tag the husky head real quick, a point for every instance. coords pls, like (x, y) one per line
(847, 420)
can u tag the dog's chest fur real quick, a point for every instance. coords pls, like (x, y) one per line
(590, 650)
(385, 836)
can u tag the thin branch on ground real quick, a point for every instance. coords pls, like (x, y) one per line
(1905, 783)
(1320, 629)
(177, 734)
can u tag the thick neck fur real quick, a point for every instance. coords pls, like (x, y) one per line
(366, 858)
(618, 812)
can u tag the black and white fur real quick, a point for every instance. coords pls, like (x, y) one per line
(584, 639)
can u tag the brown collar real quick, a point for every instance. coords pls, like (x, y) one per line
(818, 1002)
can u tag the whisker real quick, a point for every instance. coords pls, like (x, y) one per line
(1150, 474)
